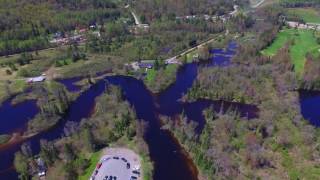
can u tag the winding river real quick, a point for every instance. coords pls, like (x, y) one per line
(171, 163)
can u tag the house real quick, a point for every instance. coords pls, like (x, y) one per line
(146, 65)
(41, 167)
(81, 31)
(96, 33)
(36, 79)
(93, 26)
(299, 25)
(292, 24)
(144, 26)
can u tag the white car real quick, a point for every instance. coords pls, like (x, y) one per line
(42, 173)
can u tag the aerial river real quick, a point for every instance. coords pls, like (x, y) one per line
(171, 162)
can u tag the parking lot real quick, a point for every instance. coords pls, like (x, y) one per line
(118, 164)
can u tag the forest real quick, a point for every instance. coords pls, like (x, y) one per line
(300, 3)
(278, 144)
(28, 25)
(113, 123)
(159, 8)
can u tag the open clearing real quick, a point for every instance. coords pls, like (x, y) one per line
(304, 42)
(117, 162)
(309, 15)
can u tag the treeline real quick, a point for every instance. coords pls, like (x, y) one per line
(161, 8)
(270, 146)
(165, 38)
(311, 74)
(300, 3)
(53, 101)
(242, 83)
(113, 122)
(212, 148)
(267, 147)
(26, 25)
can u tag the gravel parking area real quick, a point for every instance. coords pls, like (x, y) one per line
(118, 164)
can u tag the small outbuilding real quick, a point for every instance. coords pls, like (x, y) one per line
(36, 79)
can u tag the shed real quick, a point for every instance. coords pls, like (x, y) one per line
(36, 79)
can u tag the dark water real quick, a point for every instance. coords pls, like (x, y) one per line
(170, 162)
(310, 106)
(13, 118)
(70, 83)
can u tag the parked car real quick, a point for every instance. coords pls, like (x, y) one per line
(99, 165)
(128, 165)
(42, 173)
(115, 157)
(124, 159)
(106, 159)
(136, 172)
(133, 178)
(105, 178)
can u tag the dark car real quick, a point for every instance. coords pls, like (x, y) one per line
(106, 159)
(96, 172)
(115, 157)
(124, 159)
(105, 178)
(114, 177)
(128, 165)
(110, 178)
(136, 172)
(99, 165)
(133, 178)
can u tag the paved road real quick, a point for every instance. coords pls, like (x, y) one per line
(173, 60)
(136, 19)
(258, 4)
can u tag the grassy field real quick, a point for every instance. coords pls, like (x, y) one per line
(309, 15)
(151, 75)
(159, 80)
(94, 159)
(14, 87)
(282, 38)
(191, 56)
(42, 61)
(304, 42)
(170, 70)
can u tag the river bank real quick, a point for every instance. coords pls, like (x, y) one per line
(26, 106)
(164, 151)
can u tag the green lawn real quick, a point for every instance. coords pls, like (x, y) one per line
(151, 75)
(170, 70)
(309, 15)
(191, 55)
(16, 86)
(94, 159)
(283, 37)
(304, 42)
